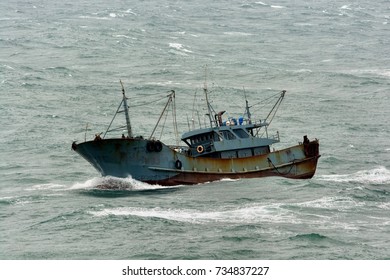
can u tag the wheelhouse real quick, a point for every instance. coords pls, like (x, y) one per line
(222, 141)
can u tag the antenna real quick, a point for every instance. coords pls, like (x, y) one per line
(207, 98)
(247, 112)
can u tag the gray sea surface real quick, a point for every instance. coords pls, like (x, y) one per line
(60, 67)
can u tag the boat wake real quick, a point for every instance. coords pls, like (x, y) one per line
(309, 212)
(376, 176)
(248, 213)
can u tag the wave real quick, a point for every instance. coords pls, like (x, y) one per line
(94, 17)
(24, 199)
(309, 237)
(234, 33)
(377, 176)
(250, 214)
(114, 183)
(179, 48)
(384, 72)
(345, 7)
(268, 5)
(48, 186)
(330, 203)
(101, 183)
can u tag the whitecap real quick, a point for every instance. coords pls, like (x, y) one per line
(376, 72)
(122, 36)
(129, 11)
(48, 186)
(277, 7)
(379, 175)
(7, 198)
(261, 3)
(339, 203)
(303, 24)
(385, 205)
(303, 70)
(345, 7)
(94, 17)
(168, 214)
(237, 33)
(179, 47)
(165, 83)
(8, 67)
(176, 46)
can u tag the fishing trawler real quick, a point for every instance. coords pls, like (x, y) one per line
(234, 148)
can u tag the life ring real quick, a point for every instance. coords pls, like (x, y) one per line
(157, 146)
(199, 149)
(178, 164)
(150, 146)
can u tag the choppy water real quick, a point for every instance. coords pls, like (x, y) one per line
(60, 66)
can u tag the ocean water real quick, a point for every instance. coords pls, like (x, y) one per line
(60, 67)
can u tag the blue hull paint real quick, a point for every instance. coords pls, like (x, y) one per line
(131, 157)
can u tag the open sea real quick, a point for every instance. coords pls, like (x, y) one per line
(60, 67)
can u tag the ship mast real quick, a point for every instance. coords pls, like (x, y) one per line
(208, 106)
(247, 111)
(126, 110)
(207, 99)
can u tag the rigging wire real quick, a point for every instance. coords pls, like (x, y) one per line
(273, 111)
(276, 106)
(165, 120)
(267, 99)
(117, 111)
(146, 103)
(171, 105)
(170, 98)
(175, 129)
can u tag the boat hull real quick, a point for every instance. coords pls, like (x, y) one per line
(166, 165)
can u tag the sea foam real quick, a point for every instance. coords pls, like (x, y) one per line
(379, 176)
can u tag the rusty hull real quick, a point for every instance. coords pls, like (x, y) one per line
(289, 163)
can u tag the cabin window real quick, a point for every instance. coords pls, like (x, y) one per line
(201, 139)
(241, 133)
(217, 137)
(228, 135)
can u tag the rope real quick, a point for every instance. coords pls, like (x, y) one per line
(292, 165)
